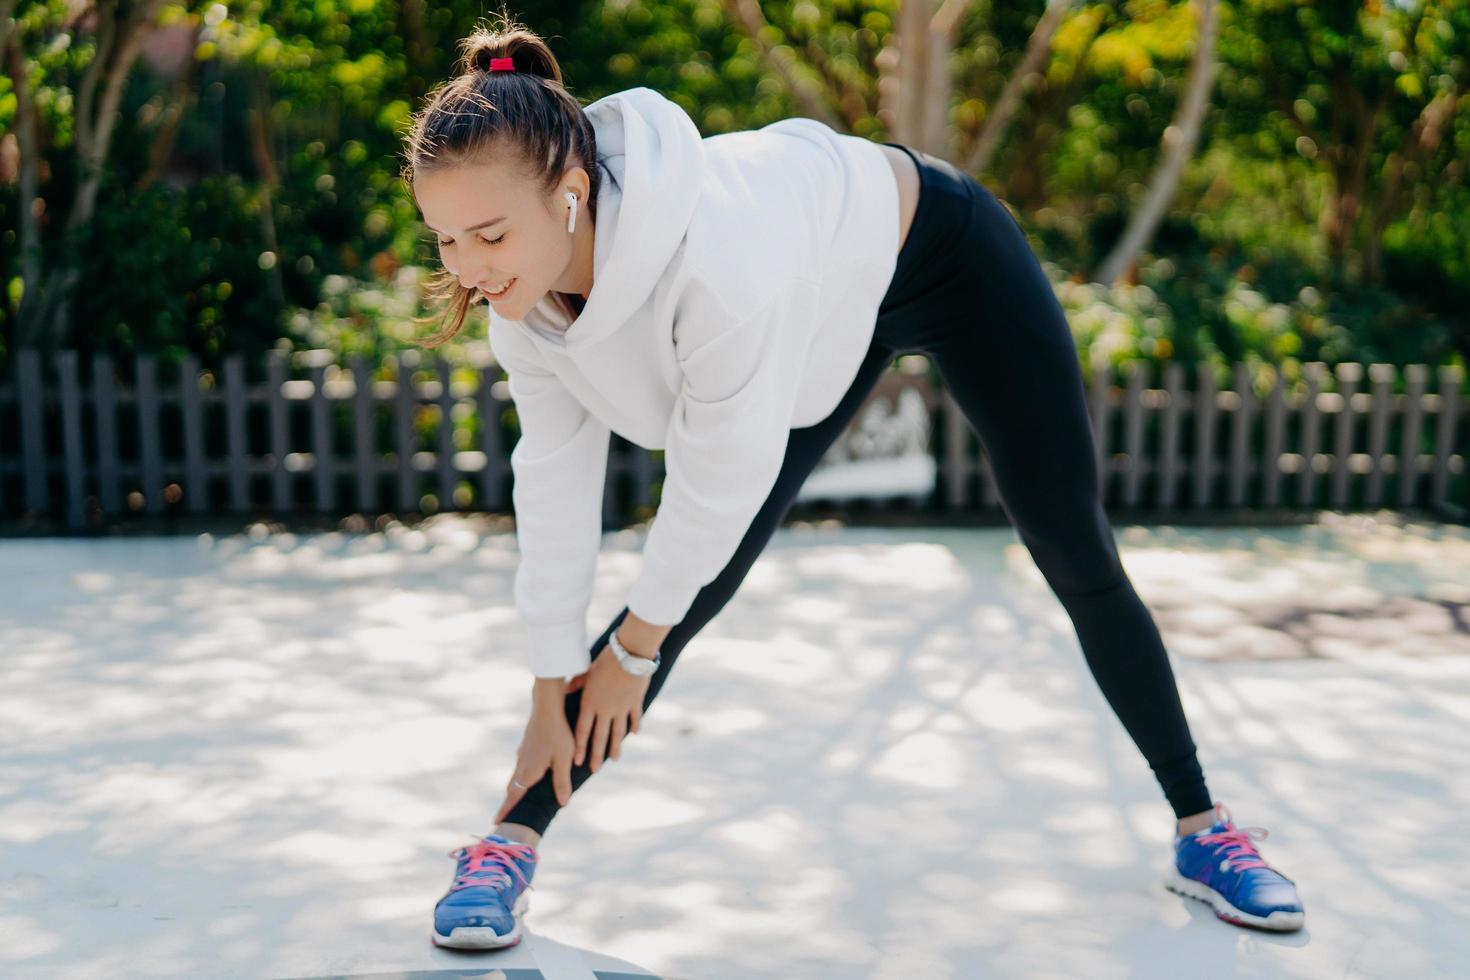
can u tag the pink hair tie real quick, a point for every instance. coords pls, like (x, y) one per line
(502, 64)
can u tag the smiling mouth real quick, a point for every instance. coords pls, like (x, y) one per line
(508, 287)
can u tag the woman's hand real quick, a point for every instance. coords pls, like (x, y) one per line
(612, 705)
(547, 743)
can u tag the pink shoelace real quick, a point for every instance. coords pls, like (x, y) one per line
(489, 855)
(1239, 852)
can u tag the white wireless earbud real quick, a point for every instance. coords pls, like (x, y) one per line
(572, 214)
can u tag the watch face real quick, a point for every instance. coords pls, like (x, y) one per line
(633, 663)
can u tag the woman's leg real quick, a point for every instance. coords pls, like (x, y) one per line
(804, 449)
(1002, 345)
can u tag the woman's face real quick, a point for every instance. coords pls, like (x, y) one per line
(495, 227)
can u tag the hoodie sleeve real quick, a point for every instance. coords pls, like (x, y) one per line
(559, 465)
(724, 447)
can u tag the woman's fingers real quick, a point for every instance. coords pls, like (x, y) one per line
(561, 778)
(599, 741)
(615, 745)
(601, 729)
(585, 716)
(513, 794)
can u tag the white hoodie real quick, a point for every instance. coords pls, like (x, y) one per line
(736, 283)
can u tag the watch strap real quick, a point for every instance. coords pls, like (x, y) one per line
(622, 652)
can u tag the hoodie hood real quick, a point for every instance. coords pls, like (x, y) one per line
(651, 158)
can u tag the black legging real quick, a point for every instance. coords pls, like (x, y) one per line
(970, 294)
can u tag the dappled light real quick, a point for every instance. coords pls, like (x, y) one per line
(884, 758)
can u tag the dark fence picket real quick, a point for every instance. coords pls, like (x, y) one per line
(445, 456)
(405, 406)
(1344, 432)
(1412, 433)
(1133, 432)
(1380, 408)
(1275, 442)
(236, 433)
(29, 382)
(196, 484)
(1202, 459)
(104, 408)
(149, 434)
(324, 479)
(956, 463)
(1309, 433)
(1170, 468)
(364, 434)
(282, 498)
(491, 407)
(1447, 408)
(1243, 410)
(71, 437)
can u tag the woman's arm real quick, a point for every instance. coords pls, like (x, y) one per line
(559, 465)
(726, 439)
(637, 636)
(548, 693)
(640, 636)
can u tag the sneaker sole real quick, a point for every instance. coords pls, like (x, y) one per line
(485, 937)
(1278, 921)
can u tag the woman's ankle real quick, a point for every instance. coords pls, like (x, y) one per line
(519, 832)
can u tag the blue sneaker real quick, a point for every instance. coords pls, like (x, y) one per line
(483, 908)
(1221, 866)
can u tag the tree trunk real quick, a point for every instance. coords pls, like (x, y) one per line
(913, 70)
(1420, 142)
(1180, 138)
(1341, 218)
(7, 22)
(181, 94)
(1038, 52)
(118, 48)
(748, 13)
(890, 85)
(270, 178)
(938, 88)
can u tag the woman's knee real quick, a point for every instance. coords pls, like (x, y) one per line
(1076, 558)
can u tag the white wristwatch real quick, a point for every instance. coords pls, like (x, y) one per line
(632, 662)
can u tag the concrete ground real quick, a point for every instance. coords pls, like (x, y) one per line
(248, 756)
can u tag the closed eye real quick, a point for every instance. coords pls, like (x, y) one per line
(487, 241)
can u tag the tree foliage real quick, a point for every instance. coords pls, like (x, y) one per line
(178, 175)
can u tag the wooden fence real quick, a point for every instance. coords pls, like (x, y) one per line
(310, 435)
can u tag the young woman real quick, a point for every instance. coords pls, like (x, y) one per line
(732, 300)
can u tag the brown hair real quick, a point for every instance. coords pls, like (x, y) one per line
(528, 112)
